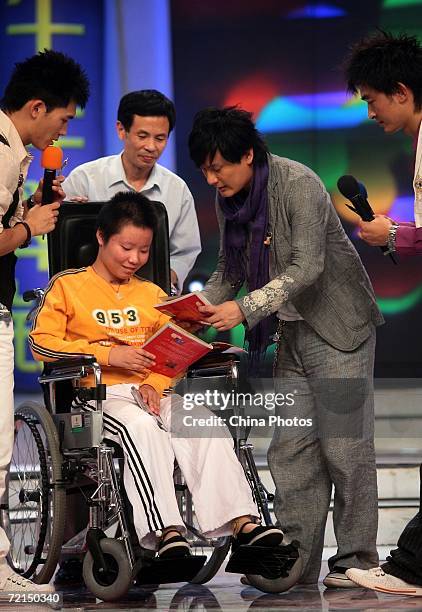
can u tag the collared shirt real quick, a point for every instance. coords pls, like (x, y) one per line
(14, 164)
(417, 180)
(102, 178)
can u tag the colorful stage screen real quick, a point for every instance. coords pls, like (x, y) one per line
(116, 43)
(282, 61)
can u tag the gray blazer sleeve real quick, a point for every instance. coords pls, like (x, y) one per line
(307, 205)
(218, 290)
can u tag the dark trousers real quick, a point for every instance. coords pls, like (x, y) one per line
(405, 561)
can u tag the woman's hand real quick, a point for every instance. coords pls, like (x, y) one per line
(131, 358)
(151, 397)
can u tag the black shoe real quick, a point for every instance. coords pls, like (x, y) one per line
(69, 573)
(174, 547)
(262, 535)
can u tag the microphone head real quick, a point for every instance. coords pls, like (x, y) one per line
(52, 158)
(362, 190)
(348, 186)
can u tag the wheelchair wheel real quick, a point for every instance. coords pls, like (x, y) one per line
(35, 518)
(215, 549)
(277, 585)
(216, 552)
(118, 580)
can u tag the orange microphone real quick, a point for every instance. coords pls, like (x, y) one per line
(51, 160)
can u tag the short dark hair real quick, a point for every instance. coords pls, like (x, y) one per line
(145, 103)
(382, 61)
(50, 76)
(126, 207)
(229, 130)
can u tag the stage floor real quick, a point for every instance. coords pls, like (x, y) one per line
(225, 592)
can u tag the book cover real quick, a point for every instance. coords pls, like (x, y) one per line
(175, 349)
(184, 307)
(226, 347)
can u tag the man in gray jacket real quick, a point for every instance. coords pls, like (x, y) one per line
(281, 236)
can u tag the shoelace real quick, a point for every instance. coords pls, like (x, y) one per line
(377, 572)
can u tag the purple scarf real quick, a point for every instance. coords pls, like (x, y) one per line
(247, 215)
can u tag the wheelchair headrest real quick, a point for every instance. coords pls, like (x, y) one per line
(73, 243)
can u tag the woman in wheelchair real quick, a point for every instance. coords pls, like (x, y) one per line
(105, 311)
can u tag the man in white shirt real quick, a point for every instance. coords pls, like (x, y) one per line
(144, 121)
(386, 70)
(39, 101)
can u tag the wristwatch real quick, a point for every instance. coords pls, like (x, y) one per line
(391, 240)
(30, 202)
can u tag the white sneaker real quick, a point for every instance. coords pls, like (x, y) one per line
(338, 580)
(15, 583)
(377, 580)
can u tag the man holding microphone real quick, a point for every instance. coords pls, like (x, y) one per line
(38, 102)
(386, 70)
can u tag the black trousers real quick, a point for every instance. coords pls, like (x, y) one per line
(405, 562)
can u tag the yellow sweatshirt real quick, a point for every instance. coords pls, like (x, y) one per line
(81, 313)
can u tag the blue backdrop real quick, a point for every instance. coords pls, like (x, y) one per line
(116, 42)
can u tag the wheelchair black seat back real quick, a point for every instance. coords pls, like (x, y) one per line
(73, 243)
(47, 464)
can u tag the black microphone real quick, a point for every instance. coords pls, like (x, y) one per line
(51, 160)
(362, 190)
(356, 193)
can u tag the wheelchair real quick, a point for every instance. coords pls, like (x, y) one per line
(59, 449)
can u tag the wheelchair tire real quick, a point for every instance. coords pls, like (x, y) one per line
(215, 549)
(214, 562)
(36, 499)
(277, 585)
(116, 585)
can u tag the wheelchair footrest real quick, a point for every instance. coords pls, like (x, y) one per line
(161, 571)
(268, 561)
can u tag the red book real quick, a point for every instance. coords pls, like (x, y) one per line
(184, 307)
(175, 349)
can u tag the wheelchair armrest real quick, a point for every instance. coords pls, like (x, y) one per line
(215, 363)
(68, 368)
(73, 362)
(216, 358)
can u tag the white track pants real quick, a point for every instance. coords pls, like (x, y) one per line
(6, 415)
(211, 469)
